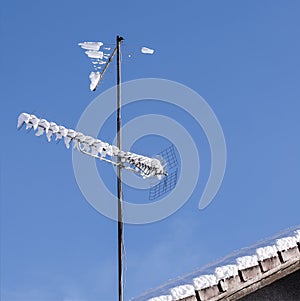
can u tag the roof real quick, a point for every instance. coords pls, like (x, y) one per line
(238, 274)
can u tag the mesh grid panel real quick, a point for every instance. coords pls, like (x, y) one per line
(164, 186)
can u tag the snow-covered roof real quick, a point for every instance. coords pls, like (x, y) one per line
(237, 273)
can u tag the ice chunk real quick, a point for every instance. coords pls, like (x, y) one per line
(53, 128)
(62, 132)
(67, 141)
(115, 150)
(33, 122)
(95, 78)
(40, 131)
(226, 271)
(266, 252)
(109, 150)
(162, 298)
(87, 142)
(97, 147)
(42, 127)
(155, 163)
(23, 118)
(94, 54)
(69, 137)
(90, 45)
(246, 262)
(204, 281)
(105, 149)
(286, 243)
(45, 124)
(147, 50)
(80, 137)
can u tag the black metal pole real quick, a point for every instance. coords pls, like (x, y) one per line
(119, 144)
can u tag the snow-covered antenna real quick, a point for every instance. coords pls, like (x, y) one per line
(100, 60)
(101, 56)
(143, 166)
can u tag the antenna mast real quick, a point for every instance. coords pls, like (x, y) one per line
(119, 145)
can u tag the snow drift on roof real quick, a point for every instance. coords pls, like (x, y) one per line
(246, 262)
(266, 252)
(204, 281)
(182, 291)
(286, 243)
(226, 271)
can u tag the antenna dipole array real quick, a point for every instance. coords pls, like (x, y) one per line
(141, 165)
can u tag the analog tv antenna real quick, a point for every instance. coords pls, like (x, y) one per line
(101, 56)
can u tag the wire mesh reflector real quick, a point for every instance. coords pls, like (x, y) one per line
(169, 157)
(164, 186)
(169, 182)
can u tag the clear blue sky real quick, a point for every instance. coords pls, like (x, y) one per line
(241, 56)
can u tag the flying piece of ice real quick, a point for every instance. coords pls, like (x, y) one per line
(91, 45)
(95, 78)
(94, 54)
(147, 50)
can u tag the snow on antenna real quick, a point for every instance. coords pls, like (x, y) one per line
(99, 59)
(140, 165)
